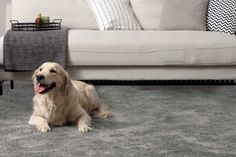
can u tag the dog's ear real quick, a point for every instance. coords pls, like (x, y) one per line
(67, 83)
(34, 74)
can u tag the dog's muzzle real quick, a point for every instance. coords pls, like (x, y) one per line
(39, 78)
(41, 87)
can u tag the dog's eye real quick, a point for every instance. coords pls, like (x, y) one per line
(40, 69)
(53, 71)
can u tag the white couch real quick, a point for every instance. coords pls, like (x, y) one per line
(149, 54)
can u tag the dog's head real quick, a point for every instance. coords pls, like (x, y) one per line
(49, 77)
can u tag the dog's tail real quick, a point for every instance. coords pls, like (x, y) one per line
(101, 110)
(104, 112)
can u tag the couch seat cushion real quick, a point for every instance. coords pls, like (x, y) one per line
(177, 48)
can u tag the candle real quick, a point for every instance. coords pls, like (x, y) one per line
(45, 21)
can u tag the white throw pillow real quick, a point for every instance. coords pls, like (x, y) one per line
(114, 15)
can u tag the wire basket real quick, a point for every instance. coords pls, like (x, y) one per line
(31, 26)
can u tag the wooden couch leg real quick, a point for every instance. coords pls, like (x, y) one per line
(1, 87)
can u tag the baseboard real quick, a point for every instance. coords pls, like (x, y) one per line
(146, 82)
(160, 82)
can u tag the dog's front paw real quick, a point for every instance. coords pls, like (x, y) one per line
(44, 128)
(84, 128)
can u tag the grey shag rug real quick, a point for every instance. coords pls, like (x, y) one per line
(166, 121)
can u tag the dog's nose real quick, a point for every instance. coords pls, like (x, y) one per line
(39, 78)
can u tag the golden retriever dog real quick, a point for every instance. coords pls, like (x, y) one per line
(59, 100)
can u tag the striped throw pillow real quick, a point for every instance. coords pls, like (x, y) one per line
(114, 15)
(221, 16)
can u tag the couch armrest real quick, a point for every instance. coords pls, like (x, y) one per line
(8, 17)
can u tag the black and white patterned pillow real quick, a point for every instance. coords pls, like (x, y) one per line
(221, 16)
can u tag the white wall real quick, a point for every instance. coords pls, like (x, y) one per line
(3, 5)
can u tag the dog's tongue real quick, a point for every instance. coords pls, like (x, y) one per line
(39, 89)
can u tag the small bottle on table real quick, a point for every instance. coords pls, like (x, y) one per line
(38, 21)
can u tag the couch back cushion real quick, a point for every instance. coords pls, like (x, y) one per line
(148, 12)
(74, 13)
(184, 15)
(171, 14)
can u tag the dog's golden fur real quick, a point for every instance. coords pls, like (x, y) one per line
(67, 102)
